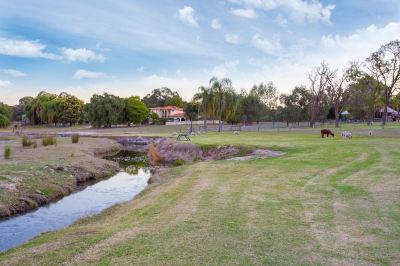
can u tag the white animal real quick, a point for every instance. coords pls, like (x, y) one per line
(236, 132)
(347, 134)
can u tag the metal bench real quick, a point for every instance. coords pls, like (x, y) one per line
(185, 135)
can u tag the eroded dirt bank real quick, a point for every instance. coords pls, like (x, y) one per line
(164, 152)
(34, 177)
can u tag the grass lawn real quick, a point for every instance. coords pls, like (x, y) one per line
(326, 201)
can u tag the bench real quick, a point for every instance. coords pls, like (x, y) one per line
(185, 135)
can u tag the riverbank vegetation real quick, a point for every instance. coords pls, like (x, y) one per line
(325, 201)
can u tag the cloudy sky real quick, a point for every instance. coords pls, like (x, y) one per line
(131, 47)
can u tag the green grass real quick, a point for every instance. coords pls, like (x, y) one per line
(326, 201)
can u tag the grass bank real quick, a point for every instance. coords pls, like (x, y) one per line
(326, 201)
(36, 176)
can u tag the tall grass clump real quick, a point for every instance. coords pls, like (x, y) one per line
(75, 138)
(49, 140)
(7, 152)
(154, 156)
(26, 142)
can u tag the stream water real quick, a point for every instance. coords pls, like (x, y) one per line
(93, 199)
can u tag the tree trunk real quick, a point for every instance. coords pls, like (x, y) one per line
(191, 126)
(337, 115)
(205, 120)
(384, 116)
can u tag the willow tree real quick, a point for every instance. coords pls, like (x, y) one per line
(220, 87)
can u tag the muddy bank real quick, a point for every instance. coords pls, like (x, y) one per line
(35, 177)
(80, 177)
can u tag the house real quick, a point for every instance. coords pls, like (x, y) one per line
(172, 113)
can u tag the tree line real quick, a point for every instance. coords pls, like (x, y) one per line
(362, 88)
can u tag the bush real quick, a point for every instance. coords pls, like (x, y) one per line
(34, 144)
(49, 140)
(7, 152)
(4, 121)
(153, 154)
(179, 162)
(75, 138)
(26, 142)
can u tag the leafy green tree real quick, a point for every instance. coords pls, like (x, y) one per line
(6, 110)
(135, 110)
(70, 108)
(192, 111)
(295, 106)
(106, 110)
(174, 101)
(220, 87)
(158, 97)
(19, 110)
(4, 121)
(205, 97)
(252, 108)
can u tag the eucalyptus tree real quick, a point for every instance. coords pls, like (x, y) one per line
(319, 81)
(384, 66)
(220, 88)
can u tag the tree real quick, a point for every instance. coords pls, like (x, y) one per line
(319, 80)
(337, 91)
(252, 108)
(19, 110)
(205, 97)
(70, 108)
(159, 97)
(295, 105)
(384, 66)
(268, 94)
(365, 97)
(4, 121)
(6, 110)
(220, 87)
(135, 110)
(191, 110)
(175, 100)
(106, 110)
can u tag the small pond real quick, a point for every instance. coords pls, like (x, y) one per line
(121, 187)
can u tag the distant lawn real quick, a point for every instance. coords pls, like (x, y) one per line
(326, 201)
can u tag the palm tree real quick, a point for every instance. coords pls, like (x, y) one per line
(220, 87)
(205, 96)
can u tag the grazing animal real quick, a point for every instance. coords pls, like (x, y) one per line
(347, 134)
(236, 132)
(326, 132)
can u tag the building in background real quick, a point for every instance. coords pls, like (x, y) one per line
(171, 113)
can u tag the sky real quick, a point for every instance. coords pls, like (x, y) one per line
(130, 47)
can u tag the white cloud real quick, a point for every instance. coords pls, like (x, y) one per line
(226, 69)
(298, 10)
(215, 24)
(28, 49)
(5, 83)
(265, 45)
(13, 72)
(85, 74)
(281, 20)
(81, 54)
(232, 38)
(245, 13)
(186, 15)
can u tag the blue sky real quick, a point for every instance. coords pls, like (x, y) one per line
(131, 47)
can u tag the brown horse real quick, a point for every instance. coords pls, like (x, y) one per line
(326, 132)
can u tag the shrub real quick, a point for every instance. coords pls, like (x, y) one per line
(4, 121)
(179, 162)
(153, 154)
(49, 140)
(75, 138)
(7, 152)
(34, 144)
(26, 142)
